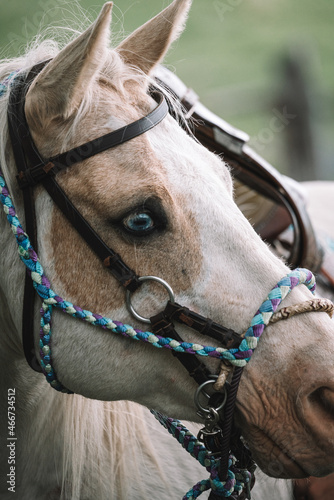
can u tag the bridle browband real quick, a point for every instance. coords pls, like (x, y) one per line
(33, 170)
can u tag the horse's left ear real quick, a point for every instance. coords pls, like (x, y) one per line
(60, 87)
(146, 46)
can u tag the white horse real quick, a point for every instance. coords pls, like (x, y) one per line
(95, 444)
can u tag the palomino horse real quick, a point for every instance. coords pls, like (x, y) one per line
(165, 204)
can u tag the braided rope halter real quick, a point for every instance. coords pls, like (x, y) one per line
(237, 356)
(236, 479)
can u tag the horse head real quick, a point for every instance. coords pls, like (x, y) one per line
(165, 204)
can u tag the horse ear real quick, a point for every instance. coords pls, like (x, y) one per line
(146, 46)
(59, 88)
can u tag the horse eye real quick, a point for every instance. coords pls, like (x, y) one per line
(140, 223)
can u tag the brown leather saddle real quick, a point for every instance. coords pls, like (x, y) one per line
(272, 202)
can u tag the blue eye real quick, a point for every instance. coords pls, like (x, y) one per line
(139, 223)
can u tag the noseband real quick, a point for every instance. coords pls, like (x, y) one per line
(235, 350)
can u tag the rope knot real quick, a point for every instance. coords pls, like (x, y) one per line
(222, 489)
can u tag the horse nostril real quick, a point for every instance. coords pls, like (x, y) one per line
(323, 398)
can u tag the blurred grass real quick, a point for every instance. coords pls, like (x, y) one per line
(230, 52)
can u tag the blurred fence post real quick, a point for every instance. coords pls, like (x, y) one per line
(297, 94)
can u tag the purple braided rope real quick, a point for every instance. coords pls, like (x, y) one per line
(236, 478)
(238, 356)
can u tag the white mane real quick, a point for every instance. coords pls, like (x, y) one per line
(100, 438)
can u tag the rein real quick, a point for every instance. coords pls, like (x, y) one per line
(228, 474)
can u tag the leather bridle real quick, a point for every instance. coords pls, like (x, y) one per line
(33, 170)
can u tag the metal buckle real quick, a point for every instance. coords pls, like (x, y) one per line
(148, 278)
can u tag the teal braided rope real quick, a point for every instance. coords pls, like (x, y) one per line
(238, 356)
(241, 355)
(237, 479)
(6, 82)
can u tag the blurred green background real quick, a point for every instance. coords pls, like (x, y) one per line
(249, 60)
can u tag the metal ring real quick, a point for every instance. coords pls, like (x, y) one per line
(200, 391)
(148, 278)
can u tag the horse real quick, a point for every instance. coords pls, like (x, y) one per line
(165, 204)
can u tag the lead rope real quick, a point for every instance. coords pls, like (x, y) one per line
(237, 479)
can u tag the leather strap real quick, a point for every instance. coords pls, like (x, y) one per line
(162, 325)
(111, 260)
(54, 165)
(18, 135)
(228, 421)
(175, 312)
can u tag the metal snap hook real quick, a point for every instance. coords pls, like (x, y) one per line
(148, 278)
